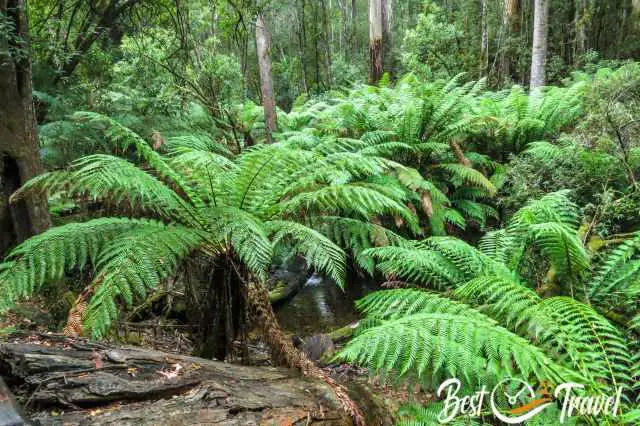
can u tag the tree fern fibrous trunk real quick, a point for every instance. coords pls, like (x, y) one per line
(263, 45)
(375, 41)
(223, 312)
(19, 146)
(282, 346)
(539, 52)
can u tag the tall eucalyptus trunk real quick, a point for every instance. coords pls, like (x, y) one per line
(19, 146)
(539, 52)
(375, 41)
(263, 46)
(484, 48)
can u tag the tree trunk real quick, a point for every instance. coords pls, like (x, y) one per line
(484, 48)
(223, 312)
(375, 41)
(327, 42)
(354, 27)
(539, 52)
(19, 146)
(75, 381)
(263, 45)
(511, 29)
(581, 17)
(387, 35)
(302, 43)
(282, 345)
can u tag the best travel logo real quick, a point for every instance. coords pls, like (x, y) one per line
(523, 401)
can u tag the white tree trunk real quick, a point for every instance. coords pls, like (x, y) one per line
(375, 40)
(266, 80)
(539, 53)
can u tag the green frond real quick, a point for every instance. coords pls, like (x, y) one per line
(461, 174)
(124, 139)
(418, 415)
(357, 235)
(616, 270)
(48, 256)
(363, 201)
(553, 207)
(414, 264)
(394, 304)
(599, 349)
(453, 217)
(497, 245)
(503, 299)
(561, 246)
(245, 234)
(544, 151)
(469, 261)
(197, 143)
(318, 250)
(117, 181)
(441, 345)
(133, 262)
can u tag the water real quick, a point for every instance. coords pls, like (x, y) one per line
(321, 306)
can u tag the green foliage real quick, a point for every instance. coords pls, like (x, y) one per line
(241, 208)
(487, 308)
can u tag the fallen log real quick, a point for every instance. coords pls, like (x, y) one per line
(61, 380)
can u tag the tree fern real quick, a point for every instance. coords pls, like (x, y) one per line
(450, 345)
(46, 257)
(132, 263)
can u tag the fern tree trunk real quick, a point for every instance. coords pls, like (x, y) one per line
(19, 146)
(286, 353)
(222, 311)
(539, 52)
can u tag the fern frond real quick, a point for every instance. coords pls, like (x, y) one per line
(246, 234)
(48, 256)
(414, 264)
(598, 347)
(505, 300)
(561, 246)
(397, 303)
(450, 345)
(124, 139)
(133, 262)
(463, 174)
(608, 274)
(363, 201)
(317, 249)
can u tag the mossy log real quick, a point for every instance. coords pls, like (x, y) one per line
(60, 380)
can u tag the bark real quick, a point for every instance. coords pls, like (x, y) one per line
(581, 17)
(511, 28)
(539, 51)
(74, 381)
(19, 146)
(327, 42)
(266, 81)
(302, 43)
(354, 27)
(459, 153)
(387, 40)
(223, 312)
(484, 49)
(284, 349)
(375, 41)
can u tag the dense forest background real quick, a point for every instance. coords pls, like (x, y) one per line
(470, 165)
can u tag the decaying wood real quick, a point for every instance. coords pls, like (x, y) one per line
(70, 381)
